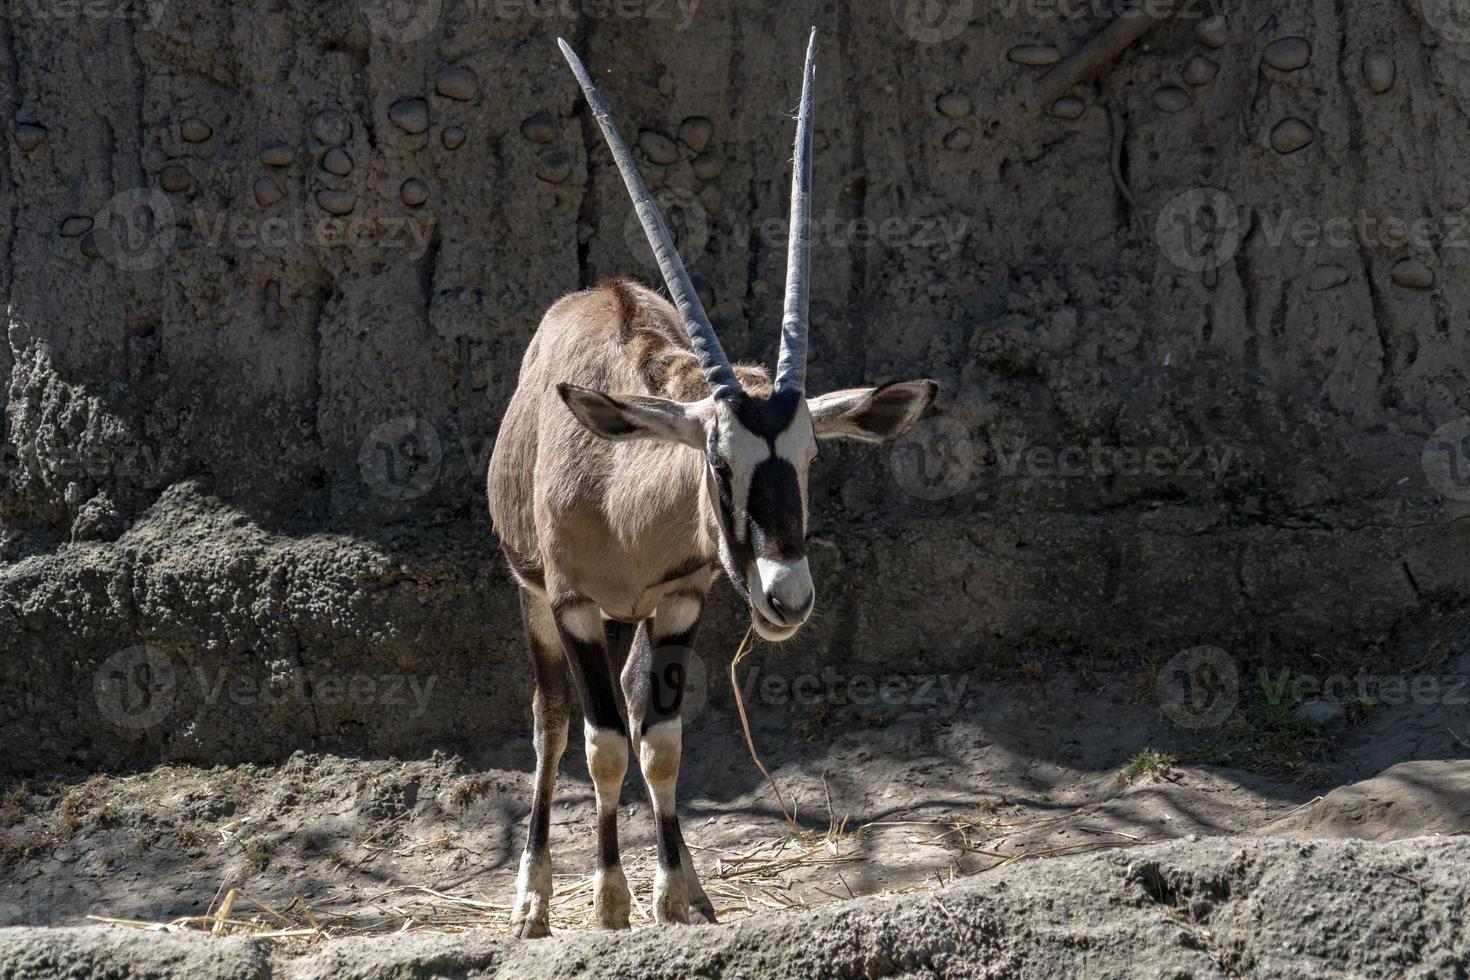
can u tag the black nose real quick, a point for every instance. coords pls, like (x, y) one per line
(787, 614)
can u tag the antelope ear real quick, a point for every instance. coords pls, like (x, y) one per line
(629, 417)
(879, 414)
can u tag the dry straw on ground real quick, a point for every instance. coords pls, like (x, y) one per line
(776, 875)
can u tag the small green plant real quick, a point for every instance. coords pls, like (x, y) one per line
(1148, 762)
(258, 853)
(1359, 709)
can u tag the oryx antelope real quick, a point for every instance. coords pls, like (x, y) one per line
(633, 463)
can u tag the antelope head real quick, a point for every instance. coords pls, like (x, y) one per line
(758, 451)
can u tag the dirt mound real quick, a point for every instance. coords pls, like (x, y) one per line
(1245, 907)
(1408, 800)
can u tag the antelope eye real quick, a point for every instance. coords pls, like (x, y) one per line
(718, 464)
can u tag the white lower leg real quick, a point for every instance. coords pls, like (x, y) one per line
(607, 762)
(658, 756)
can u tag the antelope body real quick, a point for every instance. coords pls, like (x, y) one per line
(634, 463)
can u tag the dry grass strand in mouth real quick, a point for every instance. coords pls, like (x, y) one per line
(740, 653)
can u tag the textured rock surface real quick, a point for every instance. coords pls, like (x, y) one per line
(1244, 907)
(246, 422)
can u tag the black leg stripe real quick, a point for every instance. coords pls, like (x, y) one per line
(668, 841)
(594, 679)
(540, 832)
(607, 837)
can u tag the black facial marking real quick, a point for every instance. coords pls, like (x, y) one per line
(775, 509)
(768, 417)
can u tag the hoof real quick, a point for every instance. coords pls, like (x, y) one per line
(612, 904)
(530, 929)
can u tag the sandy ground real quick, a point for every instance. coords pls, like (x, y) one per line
(886, 800)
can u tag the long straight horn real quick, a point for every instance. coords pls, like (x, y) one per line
(791, 367)
(712, 359)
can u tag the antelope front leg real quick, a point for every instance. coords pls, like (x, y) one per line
(606, 734)
(530, 918)
(653, 681)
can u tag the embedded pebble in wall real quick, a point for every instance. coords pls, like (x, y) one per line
(1291, 134)
(540, 128)
(1378, 72)
(453, 137)
(959, 139)
(1289, 54)
(696, 132)
(331, 127)
(410, 115)
(954, 105)
(76, 226)
(1172, 99)
(658, 147)
(708, 165)
(1326, 277)
(337, 162)
(555, 167)
(89, 245)
(1034, 55)
(456, 82)
(175, 177)
(28, 136)
(1213, 32)
(1068, 107)
(709, 199)
(414, 192)
(276, 155)
(267, 192)
(336, 202)
(1201, 70)
(1413, 274)
(195, 130)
